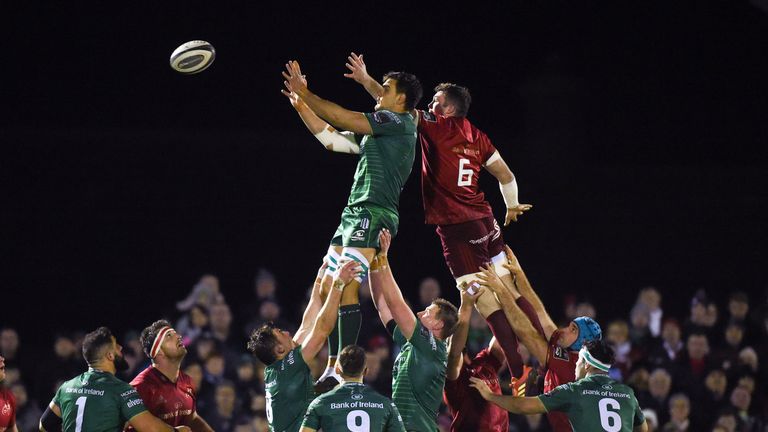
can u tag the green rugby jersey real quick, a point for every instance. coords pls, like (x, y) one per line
(596, 403)
(288, 385)
(97, 401)
(353, 406)
(386, 159)
(418, 376)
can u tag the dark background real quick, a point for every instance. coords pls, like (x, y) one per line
(638, 131)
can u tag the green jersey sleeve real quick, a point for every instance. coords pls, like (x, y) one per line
(312, 417)
(398, 337)
(386, 123)
(130, 402)
(559, 399)
(57, 397)
(394, 421)
(639, 416)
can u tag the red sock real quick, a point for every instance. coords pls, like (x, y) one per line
(500, 327)
(530, 312)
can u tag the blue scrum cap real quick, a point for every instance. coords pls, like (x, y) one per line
(589, 330)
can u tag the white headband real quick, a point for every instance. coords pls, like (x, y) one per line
(158, 341)
(584, 353)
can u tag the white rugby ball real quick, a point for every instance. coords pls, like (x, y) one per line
(192, 57)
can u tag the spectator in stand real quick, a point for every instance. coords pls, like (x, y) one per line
(229, 344)
(193, 324)
(693, 367)
(703, 316)
(206, 292)
(587, 309)
(429, 290)
(738, 309)
(65, 363)
(617, 337)
(247, 386)
(679, 410)
(639, 330)
(133, 353)
(651, 299)
(741, 400)
(9, 348)
(727, 354)
(28, 411)
(668, 349)
(269, 311)
(715, 395)
(727, 420)
(224, 416)
(657, 396)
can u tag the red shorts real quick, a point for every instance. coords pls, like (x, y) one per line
(468, 245)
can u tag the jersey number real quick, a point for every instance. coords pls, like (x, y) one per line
(269, 407)
(609, 420)
(364, 420)
(80, 402)
(465, 174)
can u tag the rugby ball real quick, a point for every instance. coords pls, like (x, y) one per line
(192, 57)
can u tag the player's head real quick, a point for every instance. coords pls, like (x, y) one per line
(580, 331)
(269, 344)
(101, 351)
(450, 100)
(402, 91)
(160, 341)
(2, 368)
(351, 362)
(594, 357)
(441, 318)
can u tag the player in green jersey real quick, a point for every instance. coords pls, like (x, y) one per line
(352, 406)
(418, 374)
(287, 380)
(96, 400)
(386, 142)
(594, 402)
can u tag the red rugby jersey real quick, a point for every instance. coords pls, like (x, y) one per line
(453, 151)
(173, 403)
(7, 409)
(470, 411)
(561, 369)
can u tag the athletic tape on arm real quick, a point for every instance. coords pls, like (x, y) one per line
(341, 142)
(509, 192)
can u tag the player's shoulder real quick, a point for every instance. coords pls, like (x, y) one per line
(7, 395)
(144, 377)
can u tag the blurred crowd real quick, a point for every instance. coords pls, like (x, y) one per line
(697, 372)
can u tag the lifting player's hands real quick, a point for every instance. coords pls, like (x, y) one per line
(356, 66)
(348, 271)
(294, 82)
(512, 264)
(489, 279)
(515, 211)
(481, 387)
(385, 241)
(468, 299)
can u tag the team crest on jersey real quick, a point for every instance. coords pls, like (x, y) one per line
(383, 117)
(357, 396)
(358, 235)
(607, 387)
(428, 116)
(6, 409)
(561, 354)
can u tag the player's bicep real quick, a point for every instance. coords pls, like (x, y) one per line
(355, 122)
(404, 318)
(312, 345)
(146, 422)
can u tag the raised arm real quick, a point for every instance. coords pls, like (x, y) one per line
(526, 290)
(359, 73)
(401, 313)
(329, 313)
(520, 323)
(459, 339)
(379, 301)
(513, 404)
(334, 114)
(508, 185)
(313, 307)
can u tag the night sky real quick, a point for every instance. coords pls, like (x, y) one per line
(638, 132)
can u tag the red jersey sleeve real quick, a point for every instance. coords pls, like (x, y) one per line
(486, 146)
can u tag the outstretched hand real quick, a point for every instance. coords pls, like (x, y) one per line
(488, 278)
(294, 82)
(385, 241)
(515, 211)
(358, 70)
(512, 264)
(468, 299)
(348, 271)
(481, 387)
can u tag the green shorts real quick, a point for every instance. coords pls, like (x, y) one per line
(360, 226)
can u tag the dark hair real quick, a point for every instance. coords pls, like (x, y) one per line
(149, 334)
(352, 361)
(457, 96)
(94, 343)
(739, 296)
(448, 314)
(600, 350)
(262, 343)
(408, 84)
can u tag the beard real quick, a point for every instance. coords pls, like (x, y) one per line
(120, 364)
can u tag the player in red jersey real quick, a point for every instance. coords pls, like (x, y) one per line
(453, 152)
(7, 404)
(168, 392)
(556, 349)
(469, 410)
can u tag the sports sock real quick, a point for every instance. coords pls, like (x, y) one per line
(530, 312)
(349, 325)
(500, 327)
(333, 343)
